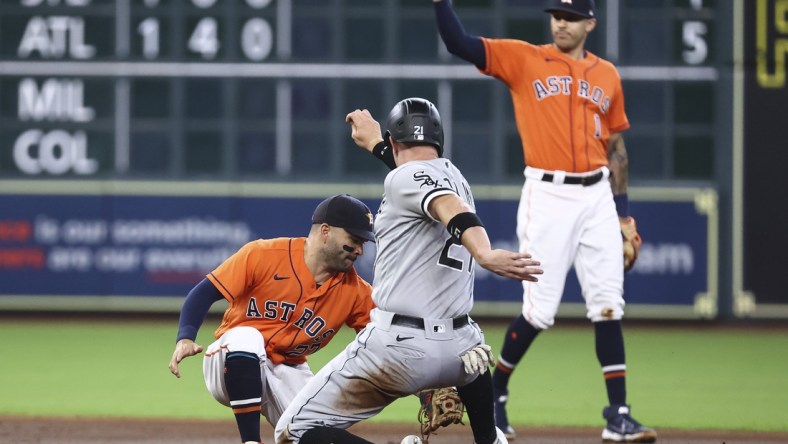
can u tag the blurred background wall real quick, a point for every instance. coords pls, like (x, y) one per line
(143, 141)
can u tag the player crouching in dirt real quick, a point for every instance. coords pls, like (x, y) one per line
(288, 297)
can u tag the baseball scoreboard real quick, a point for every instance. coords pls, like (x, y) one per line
(257, 90)
(260, 88)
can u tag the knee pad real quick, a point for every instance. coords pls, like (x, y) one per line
(245, 339)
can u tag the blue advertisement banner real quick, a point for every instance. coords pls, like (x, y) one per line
(161, 246)
(671, 268)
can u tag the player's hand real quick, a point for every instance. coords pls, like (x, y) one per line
(365, 129)
(183, 349)
(518, 266)
(477, 359)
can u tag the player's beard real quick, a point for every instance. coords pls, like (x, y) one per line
(336, 258)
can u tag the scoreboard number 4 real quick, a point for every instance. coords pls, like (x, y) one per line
(204, 39)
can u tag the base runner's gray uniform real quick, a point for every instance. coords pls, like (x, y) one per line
(423, 289)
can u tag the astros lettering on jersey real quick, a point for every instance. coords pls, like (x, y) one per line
(270, 288)
(589, 87)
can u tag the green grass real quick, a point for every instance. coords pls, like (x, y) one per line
(679, 378)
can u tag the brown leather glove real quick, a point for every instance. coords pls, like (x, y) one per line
(439, 408)
(632, 241)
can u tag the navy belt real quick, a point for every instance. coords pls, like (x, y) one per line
(410, 321)
(576, 180)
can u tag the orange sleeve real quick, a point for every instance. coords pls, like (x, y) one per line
(237, 273)
(507, 59)
(617, 118)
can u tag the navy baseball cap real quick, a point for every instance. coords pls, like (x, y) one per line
(345, 211)
(582, 8)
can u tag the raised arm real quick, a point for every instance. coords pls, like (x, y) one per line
(365, 131)
(467, 228)
(458, 42)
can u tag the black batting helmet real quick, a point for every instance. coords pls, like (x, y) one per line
(416, 120)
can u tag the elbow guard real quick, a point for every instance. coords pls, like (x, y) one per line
(461, 222)
(384, 152)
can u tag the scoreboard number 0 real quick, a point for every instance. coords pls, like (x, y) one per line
(257, 39)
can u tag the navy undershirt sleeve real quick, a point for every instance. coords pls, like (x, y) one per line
(458, 42)
(195, 308)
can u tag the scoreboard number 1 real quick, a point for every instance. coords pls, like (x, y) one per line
(149, 30)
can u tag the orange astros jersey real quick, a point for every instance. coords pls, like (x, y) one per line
(565, 109)
(270, 288)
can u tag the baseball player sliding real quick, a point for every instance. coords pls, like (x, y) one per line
(420, 335)
(288, 297)
(569, 109)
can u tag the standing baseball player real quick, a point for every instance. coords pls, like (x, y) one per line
(569, 108)
(420, 336)
(288, 297)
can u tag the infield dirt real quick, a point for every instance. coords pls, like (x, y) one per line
(25, 430)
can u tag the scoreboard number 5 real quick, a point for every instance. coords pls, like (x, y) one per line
(693, 35)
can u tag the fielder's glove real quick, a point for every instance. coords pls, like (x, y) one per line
(632, 241)
(439, 408)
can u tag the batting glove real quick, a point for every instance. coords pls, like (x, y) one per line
(477, 359)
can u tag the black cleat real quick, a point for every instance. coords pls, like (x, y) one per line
(501, 421)
(623, 428)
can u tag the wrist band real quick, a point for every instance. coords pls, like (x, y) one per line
(379, 149)
(461, 222)
(384, 152)
(622, 204)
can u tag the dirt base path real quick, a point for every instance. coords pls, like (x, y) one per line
(24, 430)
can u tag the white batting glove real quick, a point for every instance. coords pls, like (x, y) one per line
(477, 359)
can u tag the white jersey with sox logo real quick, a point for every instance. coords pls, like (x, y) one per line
(424, 271)
(423, 290)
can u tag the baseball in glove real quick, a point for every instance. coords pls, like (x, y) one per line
(439, 408)
(632, 241)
